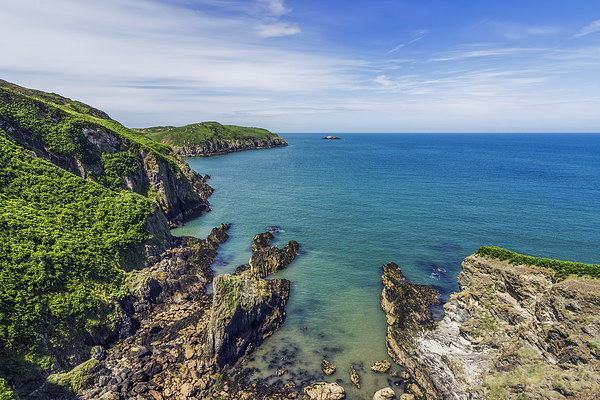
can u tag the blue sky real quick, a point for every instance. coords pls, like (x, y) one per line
(316, 66)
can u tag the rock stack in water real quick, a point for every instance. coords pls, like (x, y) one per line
(247, 308)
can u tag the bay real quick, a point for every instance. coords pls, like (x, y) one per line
(424, 201)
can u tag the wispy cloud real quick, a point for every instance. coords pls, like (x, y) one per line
(416, 36)
(277, 29)
(515, 31)
(589, 29)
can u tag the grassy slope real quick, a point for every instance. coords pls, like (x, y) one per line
(562, 268)
(61, 237)
(197, 134)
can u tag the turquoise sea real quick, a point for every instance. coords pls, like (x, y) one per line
(424, 201)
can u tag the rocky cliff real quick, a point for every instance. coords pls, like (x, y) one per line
(215, 146)
(513, 331)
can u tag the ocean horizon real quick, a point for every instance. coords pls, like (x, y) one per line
(423, 201)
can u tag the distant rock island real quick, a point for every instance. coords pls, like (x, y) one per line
(206, 139)
(331, 138)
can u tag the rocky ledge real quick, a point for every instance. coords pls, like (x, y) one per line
(217, 146)
(172, 339)
(513, 331)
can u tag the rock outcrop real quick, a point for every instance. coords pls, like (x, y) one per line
(218, 146)
(246, 310)
(331, 138)
(268, 259)
(512, 331)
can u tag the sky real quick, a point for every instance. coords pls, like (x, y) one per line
(316, 65)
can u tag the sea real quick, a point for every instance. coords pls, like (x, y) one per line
(423, 201)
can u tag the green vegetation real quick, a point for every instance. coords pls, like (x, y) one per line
(64, 241)
(562, 268)
(229, 288)
(61, 239)
(197, 134)
(77, 379)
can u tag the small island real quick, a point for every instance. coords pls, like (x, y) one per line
(331, 138)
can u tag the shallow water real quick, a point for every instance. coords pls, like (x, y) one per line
(422, 201)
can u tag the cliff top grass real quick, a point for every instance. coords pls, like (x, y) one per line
(58, 122)
(562, 268)
(199, 133)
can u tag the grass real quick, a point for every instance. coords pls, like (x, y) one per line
(562, 268)
(198, 134)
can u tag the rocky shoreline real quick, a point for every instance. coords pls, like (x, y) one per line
(513, 331)
(217, 146)
(175, 340)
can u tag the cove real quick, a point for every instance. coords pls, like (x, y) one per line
(423, 201)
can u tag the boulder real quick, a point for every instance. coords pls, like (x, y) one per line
(384, 394)
(324, 391)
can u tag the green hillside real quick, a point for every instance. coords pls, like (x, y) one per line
(197, 134)
(65, 242)
(61, 239)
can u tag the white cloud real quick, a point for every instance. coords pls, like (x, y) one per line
(589, 29)
(277, 29)
(275, 7)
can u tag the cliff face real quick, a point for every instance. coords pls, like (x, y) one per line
(511, 331)
(215, 146)
(180, 192)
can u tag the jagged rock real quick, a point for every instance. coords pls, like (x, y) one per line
(324, 391)
(267, 259)
(354, 378)
(384, 394)
(280, 372)
(246, 310)
(98, 353)
(507, 321)
(327, 367)
(407, 396)
(381, 366)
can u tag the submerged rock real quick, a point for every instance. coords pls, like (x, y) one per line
(381, 366)
(354, 378)
(324, 391)
(327, 367)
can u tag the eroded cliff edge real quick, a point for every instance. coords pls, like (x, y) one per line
(513, 331)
